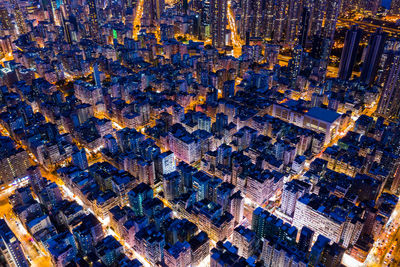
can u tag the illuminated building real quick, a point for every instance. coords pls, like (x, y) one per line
(305, 239)
(279, 21)
(13, 162)
(292, 26)
(295, 64)
(389, 102)
(361, 248)
(304, 26)
(62, 248)
(322, 121)
(109, 250)
(5, 18)
(185, 146)
(292, 191)
(263, 186)
(200, 246)
(172, 185)
(349, 52)
(94, 24)
(269, 18)
(19, 18)
(276, 253)
(88, 233)
(312, 213)
(165, 163)
(395, 7)
(178, 255)
(10, 247)
(332, 13)
(137, 196)
(244, 239)
(375, 49)
(218, 22)
(317, 9)
(79, 159)
(237, 207)
(150, 244)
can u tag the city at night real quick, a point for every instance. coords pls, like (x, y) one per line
(199, 133)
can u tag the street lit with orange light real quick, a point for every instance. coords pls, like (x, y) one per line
(236, 40)
(203, 133)
(138, 17)
(37, 256)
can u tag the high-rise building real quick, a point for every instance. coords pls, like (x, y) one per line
(269, 18)
(244, 239)
(172, 185)
(306, 239)
(349, 52)
(151, 244)
(292, 191)
(317, 250)
(218, 22)
(292, 26)
(295, 64)
(395, 7)
(280, 18)
(246, 18)
(19, 18)
(375, 49)
(165, 164)
(237, 207)
(304, 26)
(317, 9)
(88, 233)
(10, 247)
(258, 17)
(137, 196)
(178, 255)
(389, 102)
(5, 18)
(93, 19)
(79, 159)
(13, 162)
(311, 211)
(200, 246)
(332, 13)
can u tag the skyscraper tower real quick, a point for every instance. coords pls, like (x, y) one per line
(375, 49)
(395, 7)
(317, 8)
(304, 25)
(252, 18)
(5, 18)
(292, 25)
(19, 18)
(305, 240)
(246, 18)
(389, 103)
(332, 13)
(94, 30)
(349, 52)
(79, 159)
(269, 18)
(258, 17)
(295, 64)
(218, 21)
(279, 21)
